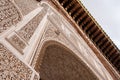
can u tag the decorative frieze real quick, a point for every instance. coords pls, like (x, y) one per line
(17, 43)
(11, 68)
(9, 15)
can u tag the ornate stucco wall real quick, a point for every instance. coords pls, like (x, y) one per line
(25, 26)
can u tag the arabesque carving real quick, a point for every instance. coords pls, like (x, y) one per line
(9, 15)
(28, 30)
(11, 68)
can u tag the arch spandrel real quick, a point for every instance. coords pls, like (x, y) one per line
(58, 29)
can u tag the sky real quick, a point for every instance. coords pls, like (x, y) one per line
(107, 14)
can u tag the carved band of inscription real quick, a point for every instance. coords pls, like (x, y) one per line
(11, 68)
(9, 15)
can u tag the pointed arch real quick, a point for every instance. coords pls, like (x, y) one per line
(56, 61)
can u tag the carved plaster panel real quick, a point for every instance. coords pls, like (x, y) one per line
(9, 15)
(21, 37)
(11, 68)
(28, 30)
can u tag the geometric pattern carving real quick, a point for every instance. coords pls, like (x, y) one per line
(17, 43)
(9, 15)
(11, 68)
(27, 31)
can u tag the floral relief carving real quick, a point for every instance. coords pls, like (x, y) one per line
(11, 68)
(9, 15)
